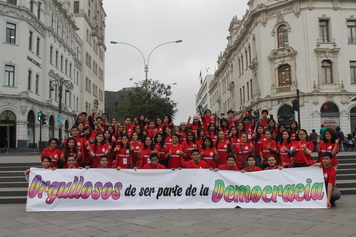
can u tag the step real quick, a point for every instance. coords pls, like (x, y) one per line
(343, 176)
(13, 199)
(13, 184)
(345, 171)
(12, 173)
(346, 165)
(347, 191)
(17, 168)
(346, 183)
(12, 178)
(13, 192)
(24, 164)
(343, 161)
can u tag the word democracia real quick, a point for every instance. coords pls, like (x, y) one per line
(288, 193)
(76, 189)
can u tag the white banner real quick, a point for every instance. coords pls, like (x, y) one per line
(109, 189)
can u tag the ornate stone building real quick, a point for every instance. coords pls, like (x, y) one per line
(281, 46)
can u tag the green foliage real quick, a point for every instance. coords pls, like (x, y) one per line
(151, 98)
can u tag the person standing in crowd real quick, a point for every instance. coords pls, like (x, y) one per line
(258, 138)
(160, 147)
(263, 121)
(294, 128)
(209, 153)
(313, 137)
(268, 147)
(322, 130)
(167, 121)
(128, 127)
(189, 145)
(71, 149)
(175, 153)
(242, 151)
(223, 147)
(333, 194)
(206, 118)
(98, 149)
(196, 162)
(123, 159)
(302, 150)
(159, 125)
(340, 135)
(195, 125)
(135, 147)
(182, 132)
(52, 152)
(328, 143)
(283, 148)
(145, 152)
(212, 133)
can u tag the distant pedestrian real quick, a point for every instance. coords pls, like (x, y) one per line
(340, 135)
(322, 130)
(313, 137)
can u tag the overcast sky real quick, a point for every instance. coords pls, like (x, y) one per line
(201, 24)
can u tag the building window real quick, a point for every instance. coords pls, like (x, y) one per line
(251, 88)
(9, 75)
(351, 31)
(76, 6)
(30, 40)
(29, 79)
(39, 11)
(57, 59)
(353, 71)
(326, 71)
(38, 46)
(37, 83)
(13, 2)
(50, 54)
(66, 67)
(324, 30)
(10, 33)
(284, 76)
(70, 70)
(61, 62)
(282, 34)
(31, 6)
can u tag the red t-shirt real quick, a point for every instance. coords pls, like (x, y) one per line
(193, 165)
(194, 128)
(258, 145)
(299, 155)
(269, 168)
(54, 154)
(182, 136)
(129, 129)
(206, 121)
(145, 157)
(212, 135)
(97, 153)
(208, 157)
(265, 151)
(329, 175)
(122, 158)
(187, 148)
(136, 148)
(168, 140)
(161, 151)
(234, 141)
(222, 148)
(285, 159)
(329, 147)
(149, 166)
(247, 169)
(249, 130)
(150, 133)
(225, 167)
(241, 154)
(175, 160)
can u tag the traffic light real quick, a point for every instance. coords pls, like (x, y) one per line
(43, 119)
(39, 116)
(295, 104)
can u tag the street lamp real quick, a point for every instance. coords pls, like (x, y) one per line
(143, 56)
(60, 81)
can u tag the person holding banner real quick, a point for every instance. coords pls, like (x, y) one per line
(251, 165)
(72, 162)
(272, 163)
(329, 172)
(154, 164)
(175, 153)
(196, 162)
(46, 164)
(123, 158)
(329, 143)
(230, 164)
(209, 153)
(103, 162)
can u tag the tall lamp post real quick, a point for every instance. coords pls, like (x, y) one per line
(146, 63)
(68, 85)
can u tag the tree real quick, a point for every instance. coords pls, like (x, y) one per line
(151, 98)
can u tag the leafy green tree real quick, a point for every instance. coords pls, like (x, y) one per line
(151, 98)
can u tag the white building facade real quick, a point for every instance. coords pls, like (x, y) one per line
(280, 47)
(90, 17)
(41, 53)
(203, 96)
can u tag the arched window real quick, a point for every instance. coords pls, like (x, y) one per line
(284, 75)
(326, 71)
(282, 34)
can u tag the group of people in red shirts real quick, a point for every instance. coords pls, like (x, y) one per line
(245, 144)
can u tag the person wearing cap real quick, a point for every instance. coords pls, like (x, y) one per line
(195, 125)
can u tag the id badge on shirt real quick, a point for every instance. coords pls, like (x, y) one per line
(148, 160)
(124, 161)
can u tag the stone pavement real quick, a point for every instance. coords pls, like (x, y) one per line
(339, 221)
